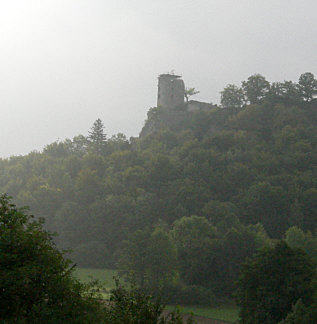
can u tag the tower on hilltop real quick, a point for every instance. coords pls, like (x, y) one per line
(171, 91)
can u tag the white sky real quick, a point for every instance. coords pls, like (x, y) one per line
(65, 63)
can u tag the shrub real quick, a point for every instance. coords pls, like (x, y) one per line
(36, 282)
(134, 306)
(272, 282)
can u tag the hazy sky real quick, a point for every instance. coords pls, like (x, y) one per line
(65, 63)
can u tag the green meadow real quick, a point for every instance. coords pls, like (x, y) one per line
(227, 313)
(104, 276)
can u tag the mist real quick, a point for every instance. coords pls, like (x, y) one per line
(63, 64)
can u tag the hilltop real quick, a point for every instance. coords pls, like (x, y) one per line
(243, 175)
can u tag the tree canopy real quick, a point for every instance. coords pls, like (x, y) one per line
(255, 88)
(272, 282)
(307, 86)
(232, 97)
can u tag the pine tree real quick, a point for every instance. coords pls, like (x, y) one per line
(97, 138)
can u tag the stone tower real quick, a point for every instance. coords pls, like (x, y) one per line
(170, 91)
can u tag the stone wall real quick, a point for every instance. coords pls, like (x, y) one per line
(194, 105)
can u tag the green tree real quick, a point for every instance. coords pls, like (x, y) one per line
(296, 216)
(239, 243)
(309, 208)
(221, 214)
(162, 267)
(275, 92)
(255, 88)
(57, 149)
(117, 142)
(189, 92)
(133, 258)
(307, 86)
(286, 91)
(272, 281)
(88, 186)
(96, 136)
(149, 258)
(297, 238)
(194, 237)
(291, 91)
(133, 306)
(268, 205)
(79, 144)
(302, 314)
(232, 97)
(36, 282)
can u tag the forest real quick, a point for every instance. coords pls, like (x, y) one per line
(179, 210)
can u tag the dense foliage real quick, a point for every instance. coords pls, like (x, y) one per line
(272, 282)
(302, 314)
(207, 187)
(133, 306)
(36, 282)
(37, 285)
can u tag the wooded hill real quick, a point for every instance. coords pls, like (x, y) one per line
(208, 189)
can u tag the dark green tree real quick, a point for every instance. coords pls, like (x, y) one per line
(272, 281)
(194, 237)
(307, 86)
(133, 306)
(221, 214)
(309, 208)
(255, 88)
(149, 258)
(232, 97)
(79, 144)
(267, 205)
(162, 267)
(302, 314)
(275, 92)
(297, 238)
(134, 257)
(286, 91)
(97, 138)
(235, 246)
(36, 282)
(291, 92)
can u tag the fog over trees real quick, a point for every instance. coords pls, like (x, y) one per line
(178, 211)
(170, 143)
(65, 63)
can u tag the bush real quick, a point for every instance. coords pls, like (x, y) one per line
(134, 306)
(36, 282)
(302, 314)
(274, 280)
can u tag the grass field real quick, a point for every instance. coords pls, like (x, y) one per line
(227, 313)
(105, 276)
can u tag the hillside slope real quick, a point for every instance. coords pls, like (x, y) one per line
(255, 165)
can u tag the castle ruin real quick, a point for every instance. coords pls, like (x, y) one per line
(171, 106)
(171, 94)
(171, 91)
